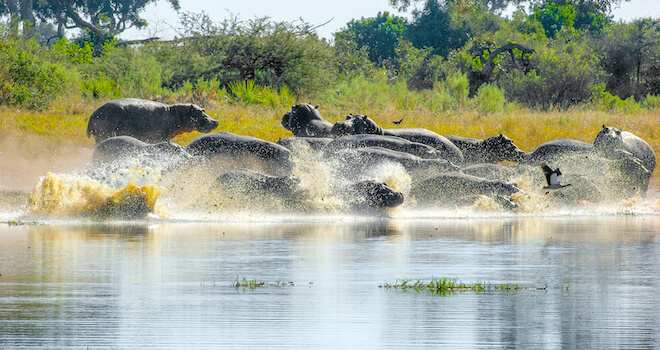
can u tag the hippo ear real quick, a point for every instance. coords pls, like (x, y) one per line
(366, 117)
(316, 107)
(604, 126)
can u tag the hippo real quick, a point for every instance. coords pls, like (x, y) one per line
(444, 188)
(314, 143)
(356, 124)
(493, 149)
(147, 121)
(247, 181)
(129, 152)
(558, 148)
(123, 146)
(349, 160)
(389, 142)
(610, 139)
(239, 148)
(304, 120)
(372, 194)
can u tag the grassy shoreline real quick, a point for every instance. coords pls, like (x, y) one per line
(64, 124)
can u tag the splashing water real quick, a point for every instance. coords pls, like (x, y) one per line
(186, 191)
(58, 195)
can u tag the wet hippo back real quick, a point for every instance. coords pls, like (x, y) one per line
(276, 157)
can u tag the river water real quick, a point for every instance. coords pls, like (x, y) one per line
(589, 282)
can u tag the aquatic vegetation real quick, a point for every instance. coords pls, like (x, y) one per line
(452, 285)
(254, 284)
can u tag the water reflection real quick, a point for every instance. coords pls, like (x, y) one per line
(146, 284)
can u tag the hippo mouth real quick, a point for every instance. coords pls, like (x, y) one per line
(208, 126)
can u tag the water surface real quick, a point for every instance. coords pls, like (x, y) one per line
(166, 284)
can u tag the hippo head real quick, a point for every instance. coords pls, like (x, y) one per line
(356, 124)
(377, 194)
(609, 138)
(500, 147)
(192, 117)
(300, 114)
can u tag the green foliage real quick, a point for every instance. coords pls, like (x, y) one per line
(561, 77)
(27, 80)
(99, 86)
(458, 87)
(611, 103)
(489, 99)
(433, 27)
(251, 93)
(631, 57)
(554, 15)
(73, 52)
(378, 37)
(270, 53)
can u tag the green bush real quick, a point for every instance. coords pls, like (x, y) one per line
(489, 99)
(27, 80)
(561, 77)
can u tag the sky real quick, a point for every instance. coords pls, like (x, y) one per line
(163, 20)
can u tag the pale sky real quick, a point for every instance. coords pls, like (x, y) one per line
(163, 20)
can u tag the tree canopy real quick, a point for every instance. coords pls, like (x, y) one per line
(102, 19)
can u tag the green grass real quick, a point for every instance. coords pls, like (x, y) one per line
(453, 285)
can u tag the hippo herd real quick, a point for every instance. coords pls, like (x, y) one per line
(442, 171)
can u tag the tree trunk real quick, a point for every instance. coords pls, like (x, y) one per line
(484, 76)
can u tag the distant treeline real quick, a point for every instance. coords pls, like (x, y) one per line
(460, 52)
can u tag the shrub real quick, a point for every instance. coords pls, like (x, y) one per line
(560, 77)
(489, 99)
(27, 80)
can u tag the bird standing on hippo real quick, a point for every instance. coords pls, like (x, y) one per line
(146, 120)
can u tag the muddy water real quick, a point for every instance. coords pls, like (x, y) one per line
(167, 284)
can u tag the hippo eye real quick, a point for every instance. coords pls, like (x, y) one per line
(348, 117)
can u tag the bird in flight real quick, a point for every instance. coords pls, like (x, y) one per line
(397, 122)
(552, 177)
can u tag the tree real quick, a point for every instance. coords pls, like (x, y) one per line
(589, 15)
(378, 36)
(493, 6)
(269, 53)
(103, 19)
(432, 27)
(631, 57)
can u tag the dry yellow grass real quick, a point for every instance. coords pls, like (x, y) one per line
(65, 123)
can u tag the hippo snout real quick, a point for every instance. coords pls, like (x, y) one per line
(209, 124)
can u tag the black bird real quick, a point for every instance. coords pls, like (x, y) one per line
(553, 177)
(397, 122)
